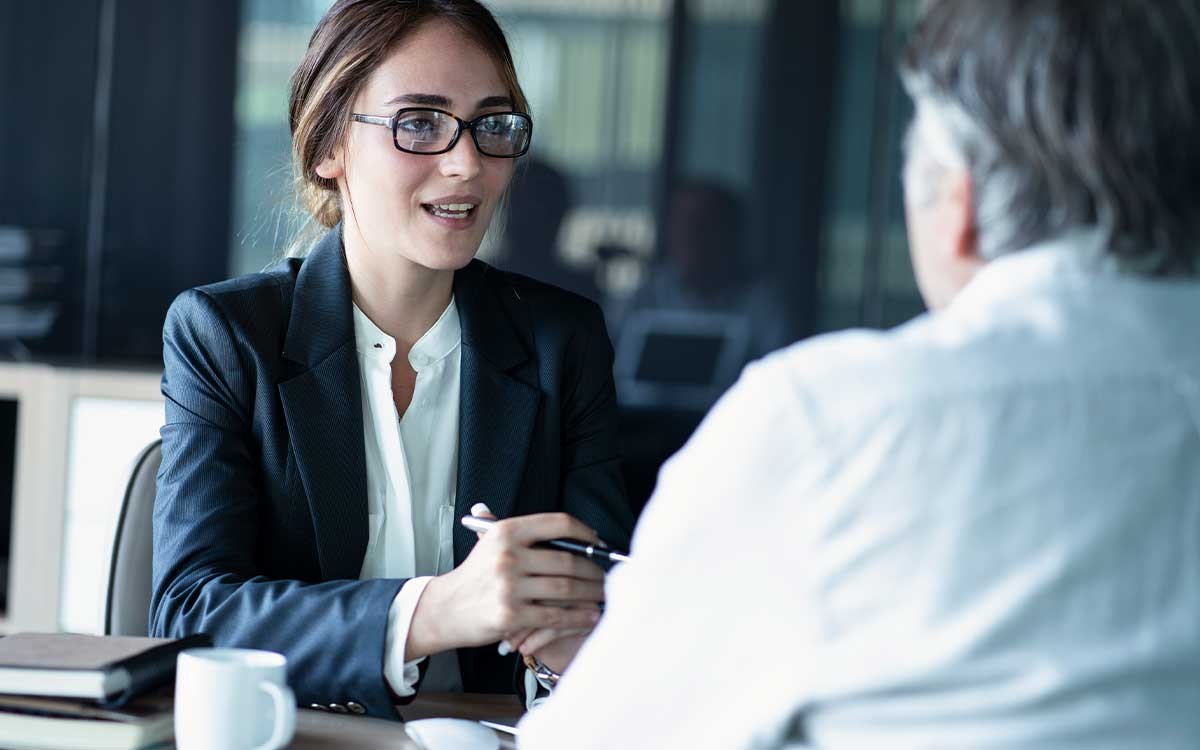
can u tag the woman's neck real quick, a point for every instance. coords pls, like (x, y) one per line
(400, 297)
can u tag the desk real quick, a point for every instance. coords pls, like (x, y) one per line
(318, 730)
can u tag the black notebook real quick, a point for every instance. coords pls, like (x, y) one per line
(109, 669)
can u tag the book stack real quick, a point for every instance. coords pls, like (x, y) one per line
(65, 691)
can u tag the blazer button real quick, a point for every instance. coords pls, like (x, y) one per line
(337, 708)
(317, 707)
(355, 708)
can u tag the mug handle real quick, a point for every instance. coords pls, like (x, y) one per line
(285, 715)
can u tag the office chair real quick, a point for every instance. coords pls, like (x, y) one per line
(127, 609)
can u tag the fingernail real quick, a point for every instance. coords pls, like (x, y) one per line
(505, 648)
(478, 509)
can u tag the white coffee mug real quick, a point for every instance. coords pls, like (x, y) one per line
(232, 699)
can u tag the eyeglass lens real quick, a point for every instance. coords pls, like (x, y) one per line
(430, 131)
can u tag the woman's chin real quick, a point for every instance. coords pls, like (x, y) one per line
(448, 258)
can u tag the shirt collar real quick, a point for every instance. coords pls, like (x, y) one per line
(438, 342)
(1078, 255)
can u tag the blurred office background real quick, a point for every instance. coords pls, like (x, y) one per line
(722, 176)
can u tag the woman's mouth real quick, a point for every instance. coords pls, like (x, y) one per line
(449, 210)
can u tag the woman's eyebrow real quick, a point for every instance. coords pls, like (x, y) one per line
(437, 100)
(494, 101)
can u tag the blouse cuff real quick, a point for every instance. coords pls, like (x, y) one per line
(401, 675)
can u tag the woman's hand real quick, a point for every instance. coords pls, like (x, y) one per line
(553, 647)
(505, 587)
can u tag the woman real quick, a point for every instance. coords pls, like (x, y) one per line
(329, 421)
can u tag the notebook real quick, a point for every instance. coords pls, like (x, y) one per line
(66, 724)
(109, 669)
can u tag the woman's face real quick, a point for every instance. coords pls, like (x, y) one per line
(411, 205)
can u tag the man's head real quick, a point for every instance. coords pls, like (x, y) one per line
(705, 220)
(1037, 117)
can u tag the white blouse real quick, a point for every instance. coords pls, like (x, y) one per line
(412, 472)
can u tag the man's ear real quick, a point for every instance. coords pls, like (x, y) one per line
(960, 215)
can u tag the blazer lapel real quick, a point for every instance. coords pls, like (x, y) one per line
(323, 408)
(497, 410)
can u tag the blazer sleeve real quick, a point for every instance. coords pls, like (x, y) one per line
(593, 487)
(206, 530)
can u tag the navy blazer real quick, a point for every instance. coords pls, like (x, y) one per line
(260, 520)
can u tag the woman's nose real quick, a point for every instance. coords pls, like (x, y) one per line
(464, 160)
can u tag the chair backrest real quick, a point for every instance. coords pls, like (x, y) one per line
(128, 604)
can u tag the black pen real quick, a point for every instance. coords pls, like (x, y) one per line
(600, 553)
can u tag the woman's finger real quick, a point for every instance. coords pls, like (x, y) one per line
(549, 562)
(568, 591)
(480, 510)
(540, 527)
(538, 616)
(513, 641)
(539, 639)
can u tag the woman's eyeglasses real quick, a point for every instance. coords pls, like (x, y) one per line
(421, 130)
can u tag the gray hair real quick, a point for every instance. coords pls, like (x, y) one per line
(1071, 113)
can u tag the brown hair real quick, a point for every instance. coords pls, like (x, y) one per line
(349, 43)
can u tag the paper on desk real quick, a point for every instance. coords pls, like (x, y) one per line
(500, 727)
(451, 734)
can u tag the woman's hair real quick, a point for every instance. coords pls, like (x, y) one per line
(349, 43)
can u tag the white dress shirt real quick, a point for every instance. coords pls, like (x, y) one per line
(412, 473)
(978, 530)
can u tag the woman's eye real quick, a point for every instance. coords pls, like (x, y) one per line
(494, 126)
(418, 126)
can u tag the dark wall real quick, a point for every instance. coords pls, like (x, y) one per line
(47, 85)
(797, 89)
(117, 131)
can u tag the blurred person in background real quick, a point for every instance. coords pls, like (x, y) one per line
(705, 268)
(329, 421)
(980, 529)
(538, 202)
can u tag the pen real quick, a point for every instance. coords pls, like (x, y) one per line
(600, 553)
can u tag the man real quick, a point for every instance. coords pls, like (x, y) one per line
(981, 529)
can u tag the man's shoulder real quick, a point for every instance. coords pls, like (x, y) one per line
(866, 372)
(976, 353)
(843, 359)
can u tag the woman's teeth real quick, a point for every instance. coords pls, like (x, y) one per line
(450, 210)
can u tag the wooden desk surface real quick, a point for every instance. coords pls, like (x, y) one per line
(319, 730)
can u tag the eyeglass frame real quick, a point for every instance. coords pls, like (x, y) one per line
(461, 125)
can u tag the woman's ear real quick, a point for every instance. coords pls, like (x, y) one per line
(332, 167)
